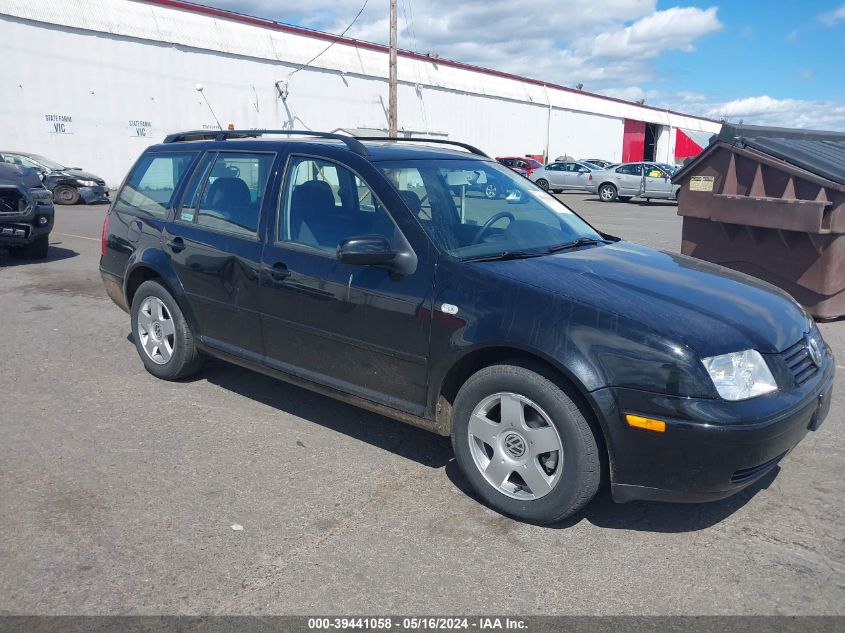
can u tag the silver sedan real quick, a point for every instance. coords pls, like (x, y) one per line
(633, 180)
(558, 176)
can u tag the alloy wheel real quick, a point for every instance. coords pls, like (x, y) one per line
(515, 446)
(156, 330)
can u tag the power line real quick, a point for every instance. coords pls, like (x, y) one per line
(333, 42)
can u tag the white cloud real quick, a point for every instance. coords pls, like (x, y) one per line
(765, 110)
(673, 29)
(600, 43)
(831, 18)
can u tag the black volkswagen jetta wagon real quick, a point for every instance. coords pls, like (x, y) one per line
(553, 354)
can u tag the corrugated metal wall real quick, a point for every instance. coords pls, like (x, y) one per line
(96, 63)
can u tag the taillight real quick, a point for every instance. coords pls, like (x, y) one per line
(104, 234)
(591, 177)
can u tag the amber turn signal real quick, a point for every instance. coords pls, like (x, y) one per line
(646, 423)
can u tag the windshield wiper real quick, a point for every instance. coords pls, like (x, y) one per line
(505, 255)
(581, 241)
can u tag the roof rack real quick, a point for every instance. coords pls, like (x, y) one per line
(417, 139)
(221, 135)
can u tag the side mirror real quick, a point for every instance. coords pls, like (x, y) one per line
(366, 250)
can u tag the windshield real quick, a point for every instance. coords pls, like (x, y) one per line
(473, 208)
(44, 162)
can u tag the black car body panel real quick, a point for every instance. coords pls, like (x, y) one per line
(626, 326)
(77, 178)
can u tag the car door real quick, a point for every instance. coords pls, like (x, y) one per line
(629, 179)
(575, 178)
(556, 175)
(215, 249)
(657, 183)
(361, 329)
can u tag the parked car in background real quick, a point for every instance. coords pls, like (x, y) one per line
(490, 184)
(68, 184)
(559, 176)
(633, 180)
(520, 164)
(554, 355)
(26, 212)
(599, 162)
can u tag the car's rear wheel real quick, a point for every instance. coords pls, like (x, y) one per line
(162, 336)
(63, 194)
(607, 192)
(491, 191)
(542, 182)
(524, 445)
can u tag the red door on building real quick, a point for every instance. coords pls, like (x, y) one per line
(633, 141)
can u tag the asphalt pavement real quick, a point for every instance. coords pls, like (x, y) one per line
(119, 492)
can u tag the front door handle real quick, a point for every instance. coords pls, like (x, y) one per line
(278, 272)
(177, 244)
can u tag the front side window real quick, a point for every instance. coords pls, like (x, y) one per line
(325, 203)
(465, 223)
(152, 182)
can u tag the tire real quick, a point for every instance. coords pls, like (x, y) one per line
(552, 488)
(624, 198)
(168, 352)
(542, 182)
(491, 191)
(37, 249)
(64, 194)
(608, 192)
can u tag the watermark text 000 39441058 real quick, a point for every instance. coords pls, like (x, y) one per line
(376, 623)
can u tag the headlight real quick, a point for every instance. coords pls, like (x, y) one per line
(87, 183)
(740, 375)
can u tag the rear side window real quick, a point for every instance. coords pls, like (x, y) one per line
(228, 192)
(150, 186)
(631, 170)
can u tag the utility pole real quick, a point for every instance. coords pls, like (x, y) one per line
(391, 94)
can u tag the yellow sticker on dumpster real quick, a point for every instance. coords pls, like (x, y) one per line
(701, 183)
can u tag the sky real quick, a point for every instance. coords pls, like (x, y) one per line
(765, 62)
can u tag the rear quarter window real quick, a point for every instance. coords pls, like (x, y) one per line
(150, 186)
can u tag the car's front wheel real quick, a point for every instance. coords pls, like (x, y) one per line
(523, 443)
(542, 182)
(162, 336)
(63, 194)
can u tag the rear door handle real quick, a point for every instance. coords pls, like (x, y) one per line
(177, 244)
(278, 272)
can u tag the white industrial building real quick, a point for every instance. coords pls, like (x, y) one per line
(91, 83)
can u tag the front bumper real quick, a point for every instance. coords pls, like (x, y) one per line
(711, 449)
(92, 195)
(21, 230)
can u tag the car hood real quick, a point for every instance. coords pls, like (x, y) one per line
(710, 309)
(77, 173)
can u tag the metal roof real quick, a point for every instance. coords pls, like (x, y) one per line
(819, 152)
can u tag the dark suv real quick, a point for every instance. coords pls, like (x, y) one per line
(26, 213)
(553, 354)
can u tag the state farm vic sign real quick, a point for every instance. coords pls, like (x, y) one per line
(140, 128)
(59, 123)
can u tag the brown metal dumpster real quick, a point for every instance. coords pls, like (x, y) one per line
(770, 202)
